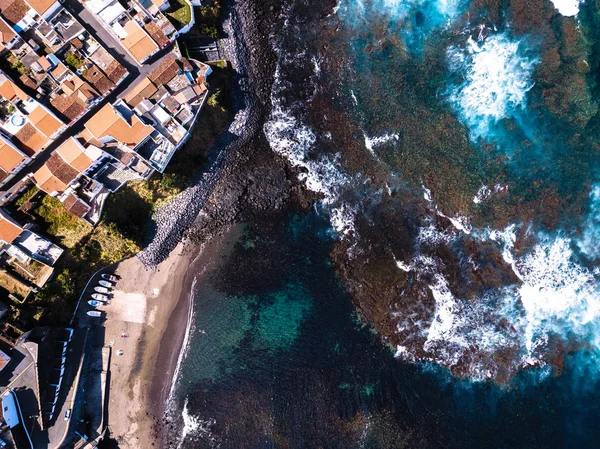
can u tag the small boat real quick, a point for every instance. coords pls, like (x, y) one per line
(105, 284)
(99, 297)
(93, 303)
(95, 313)
(109, 277)
(101, 290)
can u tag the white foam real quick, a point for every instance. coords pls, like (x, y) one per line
(196, 427)
(589, 243)
(496, 78)
(372, 142)
(554, 296)
(567, 8)
(293, 140)
(427, 194)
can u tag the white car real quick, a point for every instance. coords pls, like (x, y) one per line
(67, 414)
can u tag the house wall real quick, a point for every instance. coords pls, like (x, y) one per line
(52, 11)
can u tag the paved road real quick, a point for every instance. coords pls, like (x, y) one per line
(136, 72)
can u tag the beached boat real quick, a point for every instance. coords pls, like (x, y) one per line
(95, 313)
(109, 277)
(100, 297)
(105, 284)
(93, 303)
(101, 290)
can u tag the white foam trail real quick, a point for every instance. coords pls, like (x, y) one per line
(196, 427)
(496, 78)
(555, 296)
(372, 142)
(189, 329)
(567, 8)
(293, 140)
(589, 243)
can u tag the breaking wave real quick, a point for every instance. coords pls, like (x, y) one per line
(438, 12)
(567, 7)
(496, 76)
(555, 297)
(589, 243)
(293, 140)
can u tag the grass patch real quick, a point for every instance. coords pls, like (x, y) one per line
(87, 249)
(182, 12)
(26, 196)
(64, 228)
(208, 18)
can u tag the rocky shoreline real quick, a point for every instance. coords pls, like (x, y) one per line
(243, 176)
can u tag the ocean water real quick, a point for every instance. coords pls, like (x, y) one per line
(286, 363)
(444, 291)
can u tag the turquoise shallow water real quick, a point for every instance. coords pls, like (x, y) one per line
(454, 146)
(287, 363)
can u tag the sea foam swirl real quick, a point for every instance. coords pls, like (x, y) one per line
(496, 76)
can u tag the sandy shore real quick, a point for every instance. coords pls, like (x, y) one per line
(145, 302)
(151, 307)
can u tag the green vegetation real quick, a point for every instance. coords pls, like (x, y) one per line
(208, 18)
(13, 66)
(87, 249)
(73, 61)
(126, 215)
(181, 11)
(26, 196)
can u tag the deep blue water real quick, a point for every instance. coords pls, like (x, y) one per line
(445, 290)
(285, 362)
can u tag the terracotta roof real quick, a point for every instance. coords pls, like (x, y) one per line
(32, 141)
(73, 153)
(59, 70)
(157, 34)
(15, 12)
(61, 169)
(107, 122)
(139, 44)
(115, 71)
(10, 158)
(44, 120)
(99, 80)
(3, 175)
(9, 230)
(7, 34)
(41, 6)
(44, 63)
(11, 91)
(165, 72)
(185, 64)
(46, 181)
(143, 89)
(28, 82)
(76, 206)
(69, 106)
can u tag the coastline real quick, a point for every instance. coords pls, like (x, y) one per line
(132, 408)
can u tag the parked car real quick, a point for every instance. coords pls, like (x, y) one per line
(67, 414)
